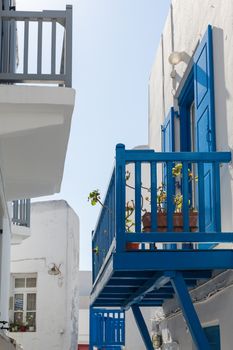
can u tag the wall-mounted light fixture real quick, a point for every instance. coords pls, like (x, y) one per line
(176, 57)
(54, 270)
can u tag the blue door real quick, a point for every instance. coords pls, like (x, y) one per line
(168, 145)
(205, 121)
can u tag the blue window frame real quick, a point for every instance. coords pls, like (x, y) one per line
(185, 100)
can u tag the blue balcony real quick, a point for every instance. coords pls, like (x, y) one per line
(135, 264)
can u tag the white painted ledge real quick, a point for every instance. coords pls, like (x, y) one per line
(34, 131)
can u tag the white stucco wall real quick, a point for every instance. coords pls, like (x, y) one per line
(54, 240)
(85, 278)
(133, 339)
(190, 21)
(186, 37)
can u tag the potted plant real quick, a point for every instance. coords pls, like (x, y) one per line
(29, 323)
(94, 198)
(13, 327)
(178, 203)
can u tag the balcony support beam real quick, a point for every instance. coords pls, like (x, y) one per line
(189, 312)
(142, 327)
(155, 283)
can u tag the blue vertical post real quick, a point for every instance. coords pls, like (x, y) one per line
(91, 329)
(201, 197)
(153, 184)
(138, 197)
(217, 197)
(185, 201)
(189, 312)
(120, 197)
(142, 327)
(170, 202)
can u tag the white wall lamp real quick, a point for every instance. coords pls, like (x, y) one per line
(176, 57)
(54, 270)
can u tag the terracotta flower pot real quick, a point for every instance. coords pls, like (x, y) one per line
(177, 222)
(132, 246)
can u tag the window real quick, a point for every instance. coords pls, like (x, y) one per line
(23, 303)
(213, 336)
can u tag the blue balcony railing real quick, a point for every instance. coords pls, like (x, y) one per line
(135, 192)
(42, 52)
(21, 212)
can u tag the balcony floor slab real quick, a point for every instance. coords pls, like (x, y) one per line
(35, 126)
(136, 276)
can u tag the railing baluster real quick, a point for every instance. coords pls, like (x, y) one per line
(185, 194)
(21, 211)
(138, 198)
(39, 47)
(53, 48)
(120, 197)
(28, 206)
(201, 197)
(68, 46)
(170, 204)
(6, 39)
(12, 46)
(25, 54)
(1, 44)
(217, 196)
(153, 196)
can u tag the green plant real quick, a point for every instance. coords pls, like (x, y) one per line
(95, 197)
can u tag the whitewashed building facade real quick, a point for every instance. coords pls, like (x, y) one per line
(44, 290)
(186, 29)
(35, 125)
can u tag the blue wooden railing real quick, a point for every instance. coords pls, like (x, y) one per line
(103, 236)
(203, 193)
(107, 329)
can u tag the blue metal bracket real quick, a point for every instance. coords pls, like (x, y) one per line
(142, 327)
(189, 312)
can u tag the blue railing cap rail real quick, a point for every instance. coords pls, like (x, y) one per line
(151, 155)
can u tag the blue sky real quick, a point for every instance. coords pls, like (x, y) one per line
(114, 47)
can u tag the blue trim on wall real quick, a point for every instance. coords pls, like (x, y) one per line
(185, 100)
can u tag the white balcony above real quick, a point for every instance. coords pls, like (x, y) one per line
(19, 234)
(34, 132)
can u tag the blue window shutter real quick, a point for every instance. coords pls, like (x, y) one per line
(204, 94)
(168, 145)
(168, 142)
(205, 119)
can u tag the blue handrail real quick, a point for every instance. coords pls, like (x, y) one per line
(112, 234)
